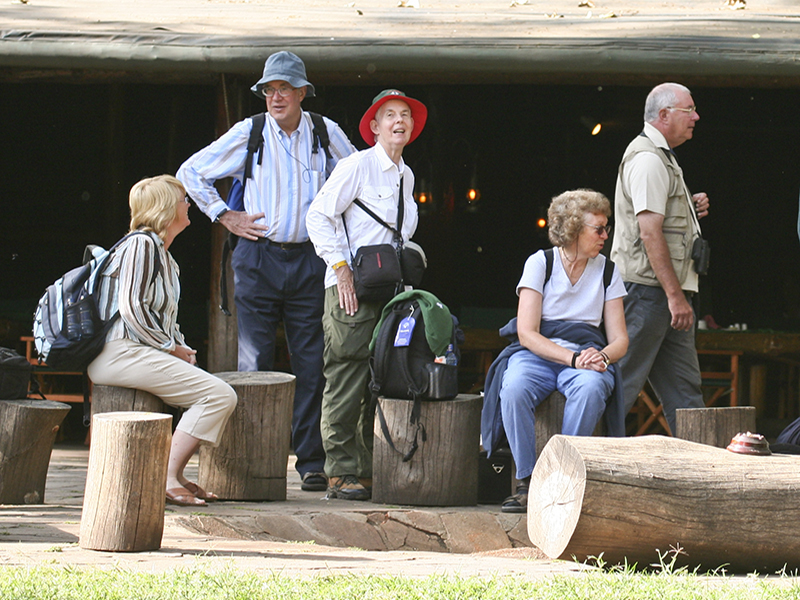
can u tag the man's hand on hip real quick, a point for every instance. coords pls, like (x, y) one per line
(244, 225)
(347, 290)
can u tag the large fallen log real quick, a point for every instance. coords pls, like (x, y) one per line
(631, 498)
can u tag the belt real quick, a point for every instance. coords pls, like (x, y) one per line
(285, 245)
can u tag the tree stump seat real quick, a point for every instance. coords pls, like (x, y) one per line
(27, 431)
(123, 505)
(251, 460)
(714, 426)
(444, 469)
(112, 398)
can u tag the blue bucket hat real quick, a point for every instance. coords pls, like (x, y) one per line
(284, 66)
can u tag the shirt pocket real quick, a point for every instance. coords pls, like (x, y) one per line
(314, 185)
(381, 199)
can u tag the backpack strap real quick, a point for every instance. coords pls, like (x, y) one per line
(608, 269)
(608, 273)
(548, 266)
(320, 132)
(254, 143)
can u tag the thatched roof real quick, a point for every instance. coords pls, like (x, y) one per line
(441, 41)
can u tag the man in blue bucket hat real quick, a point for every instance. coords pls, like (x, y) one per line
(277, 274)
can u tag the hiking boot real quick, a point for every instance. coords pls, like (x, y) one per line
(314, 481)
(347, 487)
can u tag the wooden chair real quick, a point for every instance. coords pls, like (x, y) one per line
(50, 381)
(720, 378)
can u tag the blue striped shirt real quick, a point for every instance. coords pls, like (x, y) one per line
(283, 185)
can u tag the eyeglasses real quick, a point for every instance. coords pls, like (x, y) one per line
(284, 91)
(688, 111)
(599, 229)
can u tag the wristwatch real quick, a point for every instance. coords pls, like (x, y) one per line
(222, 212)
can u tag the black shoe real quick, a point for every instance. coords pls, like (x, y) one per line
(347, 487)
(314, 481)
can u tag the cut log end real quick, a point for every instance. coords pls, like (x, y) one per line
(556, 497)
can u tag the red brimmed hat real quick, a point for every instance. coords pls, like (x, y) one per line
(419, 113)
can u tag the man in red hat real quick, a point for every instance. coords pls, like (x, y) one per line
(384, 184)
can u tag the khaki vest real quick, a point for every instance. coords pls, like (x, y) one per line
(680, 225)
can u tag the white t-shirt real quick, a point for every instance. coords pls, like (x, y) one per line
(583, 302)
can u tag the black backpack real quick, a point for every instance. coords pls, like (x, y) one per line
(411, 372)
(235, 197)
(15, 375)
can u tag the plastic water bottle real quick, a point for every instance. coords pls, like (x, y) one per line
(450, 356)
(87, 322)
(73, 318)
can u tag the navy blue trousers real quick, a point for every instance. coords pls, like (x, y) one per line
(274, 284)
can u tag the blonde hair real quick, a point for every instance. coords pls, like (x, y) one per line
(154, 203)
(567, 211)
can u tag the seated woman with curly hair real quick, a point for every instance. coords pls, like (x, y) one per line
(144, 348)
(569, 330)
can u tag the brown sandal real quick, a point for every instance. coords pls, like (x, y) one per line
(200, 492)
(180, 496)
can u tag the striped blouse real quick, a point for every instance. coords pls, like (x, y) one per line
(148, 307)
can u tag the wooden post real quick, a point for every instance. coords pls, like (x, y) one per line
(628, 498)
(251, 460)
(714, 426)
(758, 388)
(123, 505)
(549, 419)
(27, 431)
(110, 398)
(444, 469)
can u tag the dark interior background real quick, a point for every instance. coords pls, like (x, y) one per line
(71, 153)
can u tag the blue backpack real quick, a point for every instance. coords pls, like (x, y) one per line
(67, 329)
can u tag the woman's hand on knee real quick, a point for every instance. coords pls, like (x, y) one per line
(184, 353)
(591, 359)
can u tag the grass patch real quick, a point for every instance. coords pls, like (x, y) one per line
(69, 583)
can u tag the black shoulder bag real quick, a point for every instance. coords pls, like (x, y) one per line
(376, 269)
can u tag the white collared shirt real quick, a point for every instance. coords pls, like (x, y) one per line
(374, 178)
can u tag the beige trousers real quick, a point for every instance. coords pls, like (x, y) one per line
(208, 400)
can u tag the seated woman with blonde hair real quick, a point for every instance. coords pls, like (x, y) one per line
(144, 348)
(568, 333)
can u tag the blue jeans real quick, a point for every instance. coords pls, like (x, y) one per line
(528, 380)
(274, 284)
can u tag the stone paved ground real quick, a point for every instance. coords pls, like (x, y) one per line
(306, 534)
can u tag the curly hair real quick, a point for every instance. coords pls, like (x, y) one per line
(154, 203)
(567, 213)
